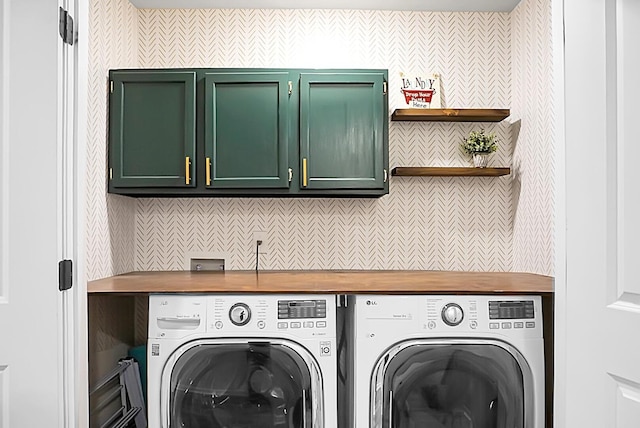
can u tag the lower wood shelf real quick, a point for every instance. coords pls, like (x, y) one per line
(321, 281)
(450, 115)
(433, 171)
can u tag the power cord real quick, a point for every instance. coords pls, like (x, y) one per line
(258, 243)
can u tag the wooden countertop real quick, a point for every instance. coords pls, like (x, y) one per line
(332, 282)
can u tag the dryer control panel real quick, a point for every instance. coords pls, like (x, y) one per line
(455, 315)
(509, 315)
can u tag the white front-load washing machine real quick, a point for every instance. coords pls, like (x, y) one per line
(240, 361)
(441, 361)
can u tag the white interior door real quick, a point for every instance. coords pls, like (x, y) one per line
(602, 82)
(33, 191)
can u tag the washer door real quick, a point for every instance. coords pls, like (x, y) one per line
(451, 384)
(235, 383)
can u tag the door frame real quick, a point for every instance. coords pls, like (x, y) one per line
(560, 221)
(77, 351)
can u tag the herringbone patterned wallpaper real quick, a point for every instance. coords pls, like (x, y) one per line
(533, 161)
(485, 59)
(113, 42)
(424, 223)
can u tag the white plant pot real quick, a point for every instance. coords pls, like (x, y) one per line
(480, 160)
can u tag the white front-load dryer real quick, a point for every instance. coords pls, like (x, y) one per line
(439, 361)
(240, 361)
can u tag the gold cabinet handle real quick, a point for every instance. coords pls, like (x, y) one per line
(187, 169)
(304, 172)
(208, 171)
(386, 175)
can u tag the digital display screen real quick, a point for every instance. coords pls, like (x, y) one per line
(509, 310)
(303, 304)
(296, 309)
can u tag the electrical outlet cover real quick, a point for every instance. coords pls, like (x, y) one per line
(259, 235)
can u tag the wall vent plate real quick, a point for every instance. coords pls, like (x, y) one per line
(206, 265)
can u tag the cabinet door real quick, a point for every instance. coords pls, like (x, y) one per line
(246, 129)
(342, 132)
(152, 129)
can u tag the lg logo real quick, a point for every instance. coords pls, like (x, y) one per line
(372, 303)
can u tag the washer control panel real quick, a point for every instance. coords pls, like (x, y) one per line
(308, 316)
(511, 309)
(297, 309)
(248, 315)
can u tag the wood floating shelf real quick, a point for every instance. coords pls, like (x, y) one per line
(432, 171)
(450, 115)
(321, 281)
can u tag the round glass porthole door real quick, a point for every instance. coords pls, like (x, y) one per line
(452, 386)
(240, 385)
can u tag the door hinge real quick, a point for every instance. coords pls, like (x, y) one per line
(384, 88)
(290, 87)
(65, 275)
(65, 27)
(290, 175)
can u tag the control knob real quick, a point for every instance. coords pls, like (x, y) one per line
(240, 314)
(452, 314)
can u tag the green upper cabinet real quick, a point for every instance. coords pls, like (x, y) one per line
(343, 130)
(246, 129)
(152, 129)
(248, 132)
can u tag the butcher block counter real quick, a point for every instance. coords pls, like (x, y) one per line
(334, 282)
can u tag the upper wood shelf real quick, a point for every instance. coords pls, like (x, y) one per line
(419, 171)
(450, 115)
(332, 282)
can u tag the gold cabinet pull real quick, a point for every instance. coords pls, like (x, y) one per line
(386, 175)
(304, 172)
(187, 169)
(208, 171)
(290, 175)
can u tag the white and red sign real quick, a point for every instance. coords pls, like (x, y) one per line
(420, 91)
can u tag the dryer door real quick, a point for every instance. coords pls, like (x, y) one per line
(242, 383)
(453, 384)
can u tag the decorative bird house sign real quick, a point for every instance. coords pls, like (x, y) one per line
(420, 91)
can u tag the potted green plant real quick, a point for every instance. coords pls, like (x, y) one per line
(479, 145)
